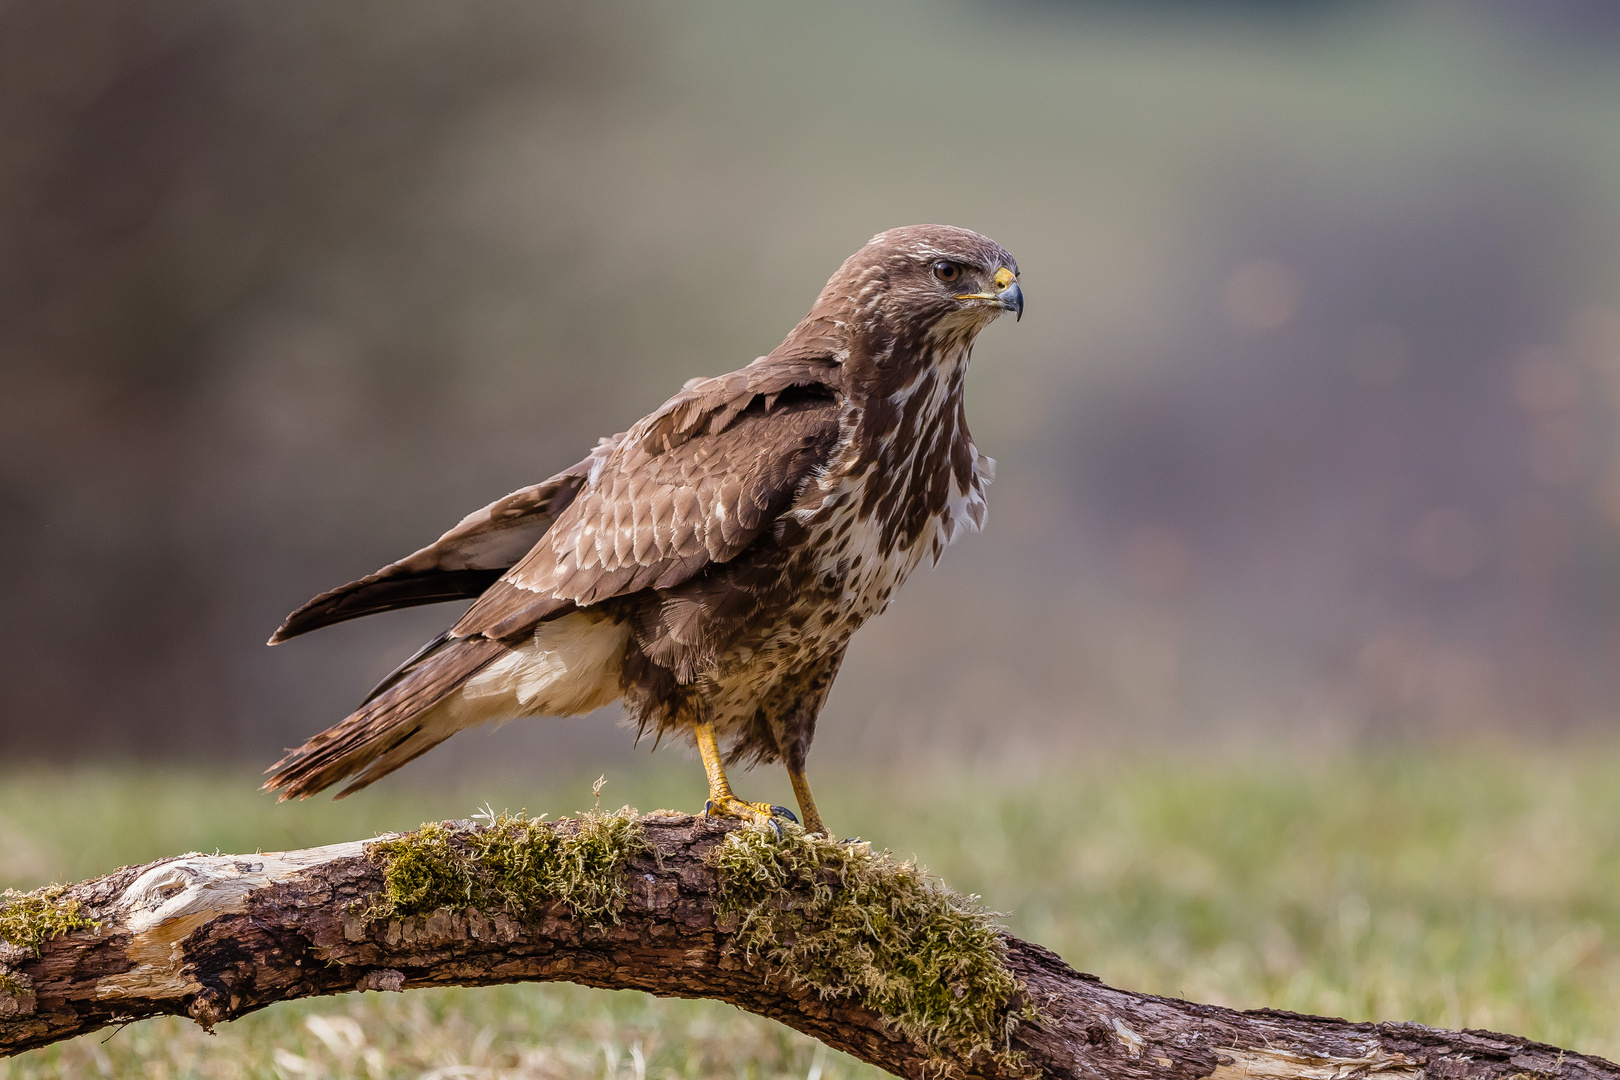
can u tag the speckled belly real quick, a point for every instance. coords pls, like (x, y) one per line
(825, 602)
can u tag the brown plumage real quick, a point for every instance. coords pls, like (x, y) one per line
(708, 565)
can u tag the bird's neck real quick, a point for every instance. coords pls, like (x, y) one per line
(912, 408)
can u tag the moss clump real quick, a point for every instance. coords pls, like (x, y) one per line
(854, 924)
(422, 872)
(516, 863)
(28, 920)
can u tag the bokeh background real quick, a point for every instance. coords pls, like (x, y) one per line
(1310, 433)
(1284, 673)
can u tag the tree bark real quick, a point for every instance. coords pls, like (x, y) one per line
(215, 937)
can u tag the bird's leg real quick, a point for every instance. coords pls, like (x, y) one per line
(807, 804)
(722, 803)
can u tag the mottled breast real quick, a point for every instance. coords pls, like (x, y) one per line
(909, 483)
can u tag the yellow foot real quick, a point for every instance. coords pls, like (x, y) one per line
(733, 807)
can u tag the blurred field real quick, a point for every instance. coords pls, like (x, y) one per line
(1476, 887)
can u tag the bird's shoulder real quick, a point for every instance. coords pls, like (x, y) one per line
(710, 406)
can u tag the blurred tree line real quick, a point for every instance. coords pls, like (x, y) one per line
(1312, 427)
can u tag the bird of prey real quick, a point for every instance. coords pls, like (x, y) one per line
(708, 566)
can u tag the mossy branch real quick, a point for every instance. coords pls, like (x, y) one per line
(27, 921)
(516, 864)
(849, 945)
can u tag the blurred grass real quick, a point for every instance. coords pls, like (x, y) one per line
(1477, 887)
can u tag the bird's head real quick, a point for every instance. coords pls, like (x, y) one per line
(933, 276)
(911, 296)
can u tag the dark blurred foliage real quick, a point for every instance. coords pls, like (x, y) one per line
(1310, 431)
(172, 170)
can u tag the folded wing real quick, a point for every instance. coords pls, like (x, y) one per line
(692, 485)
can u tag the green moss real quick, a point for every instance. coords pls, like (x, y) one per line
(855, 924)
(516, 864)
(28, 920)
(422, 872)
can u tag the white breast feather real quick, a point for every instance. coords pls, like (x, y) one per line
(873, 575)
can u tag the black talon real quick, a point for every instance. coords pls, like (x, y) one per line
(782, 811)
(708, 807)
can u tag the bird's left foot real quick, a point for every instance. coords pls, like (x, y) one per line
(758, 812)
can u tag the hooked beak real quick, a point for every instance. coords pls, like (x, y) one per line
(1012, 299)
(1009, 296)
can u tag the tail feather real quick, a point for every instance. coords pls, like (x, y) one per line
(386, 731)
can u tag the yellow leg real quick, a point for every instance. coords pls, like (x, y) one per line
(807, 804)
(722, 803)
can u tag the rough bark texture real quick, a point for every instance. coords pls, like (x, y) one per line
(214, 937)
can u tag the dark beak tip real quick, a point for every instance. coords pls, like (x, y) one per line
(1012, 299)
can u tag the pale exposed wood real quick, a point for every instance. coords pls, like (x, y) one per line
(214, 937)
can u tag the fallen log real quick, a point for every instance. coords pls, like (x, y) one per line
(867, 954)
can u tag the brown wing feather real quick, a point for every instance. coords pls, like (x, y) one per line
(691, 485)
(462, 563)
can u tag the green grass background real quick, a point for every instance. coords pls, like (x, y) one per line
(1474, 887)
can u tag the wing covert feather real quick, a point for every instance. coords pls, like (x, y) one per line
(689, 486)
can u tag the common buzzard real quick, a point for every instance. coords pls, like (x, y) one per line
(708, 566)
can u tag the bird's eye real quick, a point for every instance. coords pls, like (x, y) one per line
(947, 271)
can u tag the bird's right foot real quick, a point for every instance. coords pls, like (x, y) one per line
(760, 813)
